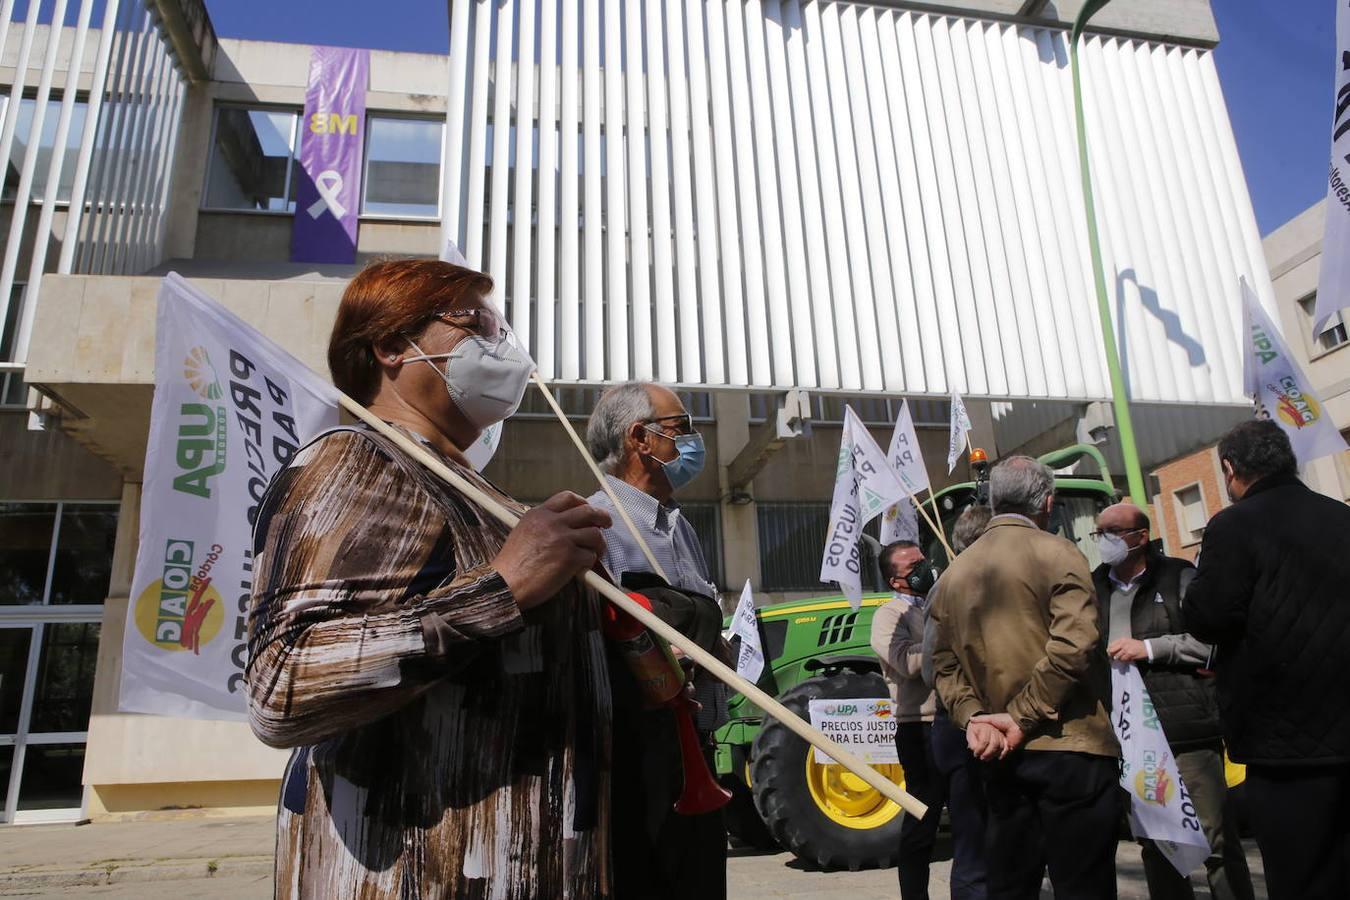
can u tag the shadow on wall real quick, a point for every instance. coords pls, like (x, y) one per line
(1171, 322)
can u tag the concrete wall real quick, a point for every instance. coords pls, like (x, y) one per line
(1294, 252)
(49, 465)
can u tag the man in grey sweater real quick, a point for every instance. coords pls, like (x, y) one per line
(897, 638)
(1140, 592)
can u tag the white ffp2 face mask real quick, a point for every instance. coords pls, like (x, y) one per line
(486, 379)
(1113, 549)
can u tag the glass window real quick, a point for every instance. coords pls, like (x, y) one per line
(14, 646)
(83, 562)
(251, 160)
(46, 142)
(84, 550)
(52, 776)
(1333, 334)
(25, 548)
(791, 541)
(8, 334)
(403, 167)
(65, 680)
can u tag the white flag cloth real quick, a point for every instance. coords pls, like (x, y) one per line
(1281, 390)
(864, 486)
(956, 444)
(900, 522)
(750, 662)
(1333, 283)
(1160, 806)
(230, 410)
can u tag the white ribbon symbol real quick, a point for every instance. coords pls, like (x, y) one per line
(328, 183)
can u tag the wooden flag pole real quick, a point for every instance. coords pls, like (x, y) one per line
(600, 478)
(936, 525)
(798, 726)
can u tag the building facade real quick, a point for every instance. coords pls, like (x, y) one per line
(771, 206)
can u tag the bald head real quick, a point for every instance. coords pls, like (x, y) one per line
(1122, 517)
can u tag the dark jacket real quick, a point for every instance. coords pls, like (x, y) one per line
(1273, 591)
(1185, 700)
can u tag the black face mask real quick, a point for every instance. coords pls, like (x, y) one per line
(922, 577)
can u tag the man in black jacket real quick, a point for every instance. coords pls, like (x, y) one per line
(1140, 591)
(1272, 592)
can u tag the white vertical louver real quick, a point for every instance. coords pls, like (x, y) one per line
(123, 144)
(842, 196)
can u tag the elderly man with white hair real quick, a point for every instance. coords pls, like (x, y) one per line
(1019, 665)
(644, 440)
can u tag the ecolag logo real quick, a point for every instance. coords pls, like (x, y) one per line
(200, 450)
(1153, 782)
(181, 610)
(1294, 407)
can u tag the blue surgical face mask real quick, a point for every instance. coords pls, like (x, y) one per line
(688, 461)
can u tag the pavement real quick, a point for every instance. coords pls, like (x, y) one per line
(231, 859)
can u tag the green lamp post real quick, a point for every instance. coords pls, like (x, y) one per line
(1134, 476)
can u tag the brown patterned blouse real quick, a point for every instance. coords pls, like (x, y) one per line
(447, 745)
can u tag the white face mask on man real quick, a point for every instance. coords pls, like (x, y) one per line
(1112, 549)
(486, 378)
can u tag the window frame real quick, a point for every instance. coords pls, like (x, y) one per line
(56, 97)
(1187, 536)
(1312, 340)
(60, 611)
(362, 215)
(297, 114)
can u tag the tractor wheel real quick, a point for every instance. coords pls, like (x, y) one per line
(744, 825)
(825, 815)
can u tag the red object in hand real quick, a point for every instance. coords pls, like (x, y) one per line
(702, 793)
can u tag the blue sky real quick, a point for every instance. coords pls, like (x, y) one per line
(1275, 61)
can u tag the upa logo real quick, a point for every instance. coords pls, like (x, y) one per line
(1153, 782)
(199, 451)
(182, 609)
(1292, 405)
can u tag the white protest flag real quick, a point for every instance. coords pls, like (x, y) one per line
(900, 522)
(1333, 283)
(864, 486)
(750, 662)
(960, 428)
(1281, 390)
(230, 410)
(1160, 806)
(481, 451)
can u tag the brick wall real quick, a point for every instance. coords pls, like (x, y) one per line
(1177, 482)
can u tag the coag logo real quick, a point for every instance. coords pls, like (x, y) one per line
(200, 448)
(181, 610)
(1153, 782)
(1293, 406)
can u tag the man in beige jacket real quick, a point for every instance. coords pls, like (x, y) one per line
(1019, 665)
(897, 638)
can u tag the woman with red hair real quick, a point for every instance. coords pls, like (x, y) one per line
(441, 679)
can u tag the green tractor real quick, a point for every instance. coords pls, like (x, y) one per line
(819, 649)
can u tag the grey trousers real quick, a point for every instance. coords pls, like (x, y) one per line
(1226, 868)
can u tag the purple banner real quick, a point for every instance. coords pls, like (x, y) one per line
(328, 190)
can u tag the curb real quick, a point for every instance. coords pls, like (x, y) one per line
(21, 882)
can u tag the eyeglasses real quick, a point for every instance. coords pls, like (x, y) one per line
(1114, 532)
(483, 320)
(682, 423)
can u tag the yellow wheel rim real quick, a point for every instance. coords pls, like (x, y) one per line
(846, 799)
